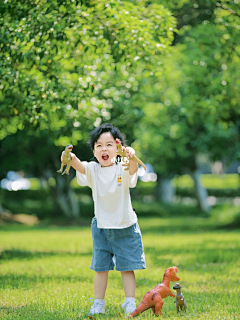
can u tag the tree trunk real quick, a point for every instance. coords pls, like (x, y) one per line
(66, 198)
(63, 194)
(201, 192)
(165, 190)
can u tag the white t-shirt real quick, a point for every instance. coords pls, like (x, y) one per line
(111, 196)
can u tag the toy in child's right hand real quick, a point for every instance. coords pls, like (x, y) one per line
(123, 154)
(66, 159)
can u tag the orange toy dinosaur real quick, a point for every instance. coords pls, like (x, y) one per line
(154, 298)
(126, 158)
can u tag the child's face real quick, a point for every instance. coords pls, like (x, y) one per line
(105, 149)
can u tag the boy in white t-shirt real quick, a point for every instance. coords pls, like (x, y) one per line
(116, 235)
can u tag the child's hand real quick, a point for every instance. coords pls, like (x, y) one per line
(71, 154)
(62, 156)
(130, 152)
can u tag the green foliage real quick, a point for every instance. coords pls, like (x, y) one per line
(211, 69)
(190, 105)
(64, 64)
(67, 66)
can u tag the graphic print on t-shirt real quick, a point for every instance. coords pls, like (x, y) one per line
(119, 179)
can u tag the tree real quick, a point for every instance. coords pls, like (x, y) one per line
(68, 65)
(194, 108)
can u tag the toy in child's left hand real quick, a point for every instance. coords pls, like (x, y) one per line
(66, 160)
(123, 153)
(154, 298)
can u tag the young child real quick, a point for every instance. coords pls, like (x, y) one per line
(116, 235)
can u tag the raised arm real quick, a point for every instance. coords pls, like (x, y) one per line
(129, 152)
(77, 164)
(133, 165)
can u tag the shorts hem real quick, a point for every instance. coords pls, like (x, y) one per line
(108, 268)
(130, 268)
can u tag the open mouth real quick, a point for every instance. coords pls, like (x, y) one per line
(176, 271)
(176, 275)
(105, 157)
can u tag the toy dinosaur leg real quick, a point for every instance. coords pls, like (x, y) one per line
(61, 169)
(67, 168)
(153, 309)
(177, 309)
(158, 307)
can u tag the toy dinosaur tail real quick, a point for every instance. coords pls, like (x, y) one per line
(138, 161)
(140, 308)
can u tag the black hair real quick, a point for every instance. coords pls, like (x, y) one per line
(105, 127)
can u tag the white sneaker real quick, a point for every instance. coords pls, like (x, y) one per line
(129, 306)
(97, 308)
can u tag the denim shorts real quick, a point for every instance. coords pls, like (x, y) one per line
(120, 247)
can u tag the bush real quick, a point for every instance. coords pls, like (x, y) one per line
(227, 217)
(40, 202)
(218, 193)
(32, 202)
(165, 210)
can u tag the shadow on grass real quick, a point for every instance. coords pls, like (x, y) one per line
(194, 257)
(28, 281)
(22, 254)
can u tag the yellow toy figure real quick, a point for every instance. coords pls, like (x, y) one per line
(122, 152)
(66, 160)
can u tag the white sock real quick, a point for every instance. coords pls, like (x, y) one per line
(130, 299)
(100, 301)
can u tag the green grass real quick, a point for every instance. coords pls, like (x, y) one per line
(45, 271)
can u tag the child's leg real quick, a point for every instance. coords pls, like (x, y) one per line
(129, 283)
(100, 284)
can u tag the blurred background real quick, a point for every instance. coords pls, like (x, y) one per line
(166, 73)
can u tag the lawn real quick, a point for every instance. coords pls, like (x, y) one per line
(45, 271)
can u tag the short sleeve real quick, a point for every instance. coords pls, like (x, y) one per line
(133, 180)
(86, 179)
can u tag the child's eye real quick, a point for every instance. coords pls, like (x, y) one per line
(110, 144)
